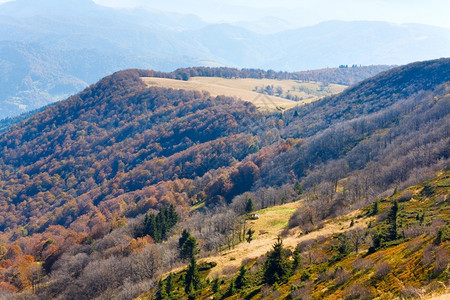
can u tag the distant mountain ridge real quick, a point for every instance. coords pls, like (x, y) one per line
(51, 49)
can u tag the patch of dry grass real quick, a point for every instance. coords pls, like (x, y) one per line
(245, 89)
(271, 223)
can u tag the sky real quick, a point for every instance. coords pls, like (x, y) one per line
(301, 13)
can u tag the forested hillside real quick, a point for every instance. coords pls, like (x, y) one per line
(85, 183)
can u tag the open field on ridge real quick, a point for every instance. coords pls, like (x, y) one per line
(246, 89)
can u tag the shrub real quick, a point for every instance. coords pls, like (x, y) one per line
(362, 264)
(357, 291)
(382, 269)
(441, 261)
(414, 245)
(409, 292)
(427, 256)
(428, 190)
(302, 291)
(341, 276)
(204, 266)
(229, 270)
(276, 294)
(406, 196)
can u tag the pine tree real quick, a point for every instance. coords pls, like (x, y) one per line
(343, 247)
(192, 278)
(275, 266)
(391, 233)
(250, 233)
(169, 285)
(298, 187)
(241, 279)
(157, 226)
(375, 208)
(161, 291)
(231, 289)
(249, 206)
(184, 236)
(215, 285)
(189, 248)
(297, 262)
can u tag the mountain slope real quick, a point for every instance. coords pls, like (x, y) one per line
(115, 136)
(340, 261)
(76, 178)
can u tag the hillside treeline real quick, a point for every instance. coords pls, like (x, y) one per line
(77, 179)
(344, 76)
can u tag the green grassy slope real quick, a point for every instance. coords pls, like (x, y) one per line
(414, 264)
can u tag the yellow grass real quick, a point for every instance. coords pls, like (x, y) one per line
(245, 89)
(269, 225)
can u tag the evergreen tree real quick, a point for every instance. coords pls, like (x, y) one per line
(395, 190)
(298, 186)
(241, 279)
(192, 278)
(297, 260)
(189, 248)
(343, 246)
(375, 208)
(250, 233)
(215, 285)
(275, 266)
(249, 206)
(169, 285)
(376, 242)
(157, 226)
(184, 236)
(161, 291)
(231, 290)
(391, 233)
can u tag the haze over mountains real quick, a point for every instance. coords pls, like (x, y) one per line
(51, 49)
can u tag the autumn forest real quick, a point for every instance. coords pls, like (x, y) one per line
(96, 190)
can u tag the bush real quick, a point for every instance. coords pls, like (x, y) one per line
(362, 264)
(382, 269)
(341, 276)
(357, 291)
(204, 266)
(409, 292)
(229, 270)
(441, 261)
(302, 291)
(428, 190)
(414, 245)
(406, 196)
(427, 256)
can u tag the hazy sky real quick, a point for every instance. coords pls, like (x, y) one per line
(302, 12)
(306, 12)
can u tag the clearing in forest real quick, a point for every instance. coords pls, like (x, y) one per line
(265, 94)
(270, 224)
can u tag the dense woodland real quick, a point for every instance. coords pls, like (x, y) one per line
(83, 183)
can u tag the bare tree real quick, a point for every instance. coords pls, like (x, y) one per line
(356, 237)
